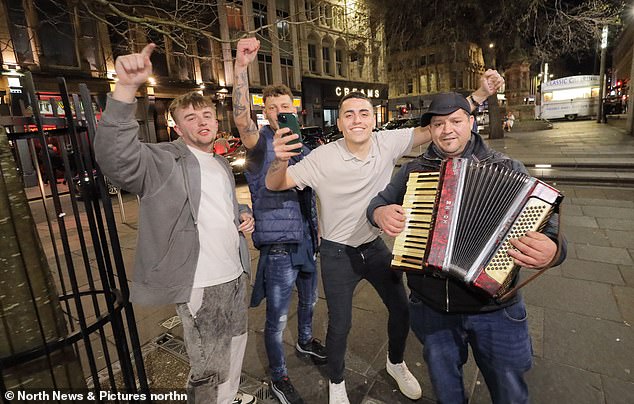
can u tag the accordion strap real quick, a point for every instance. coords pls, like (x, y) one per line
(512, 292)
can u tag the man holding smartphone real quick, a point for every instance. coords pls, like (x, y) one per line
(286, 227)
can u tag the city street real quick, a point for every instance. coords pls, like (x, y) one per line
(580, 314)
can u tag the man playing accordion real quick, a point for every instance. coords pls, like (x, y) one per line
(446, 314)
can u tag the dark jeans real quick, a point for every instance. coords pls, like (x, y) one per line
(501, 347)
(342, 268)
(280, 277)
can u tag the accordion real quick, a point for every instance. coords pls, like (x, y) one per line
(459, 222)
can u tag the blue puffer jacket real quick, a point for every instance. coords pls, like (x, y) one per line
(278, 215)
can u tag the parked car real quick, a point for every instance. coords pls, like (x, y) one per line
(612, 106)
(238, 160)
(482, 120)
(313, 136)
(332, 133)
(401, 123)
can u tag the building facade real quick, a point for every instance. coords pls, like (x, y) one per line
(415, 75)
(305, 44)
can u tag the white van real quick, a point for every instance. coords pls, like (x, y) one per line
(569, 97)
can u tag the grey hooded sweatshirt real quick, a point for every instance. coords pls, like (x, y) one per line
(166, 176)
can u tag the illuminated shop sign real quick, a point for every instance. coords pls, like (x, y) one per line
(258, 100)
(369, 92)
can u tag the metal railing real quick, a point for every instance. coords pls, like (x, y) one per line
(83, 253)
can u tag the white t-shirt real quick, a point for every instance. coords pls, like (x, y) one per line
(345, 185)
(219, 258)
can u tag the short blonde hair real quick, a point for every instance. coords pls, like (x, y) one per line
(193, 98)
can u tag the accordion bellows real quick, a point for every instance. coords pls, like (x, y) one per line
(459, 221)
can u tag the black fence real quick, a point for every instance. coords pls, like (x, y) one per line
(84, 254)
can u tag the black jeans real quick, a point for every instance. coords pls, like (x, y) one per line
(342, 267)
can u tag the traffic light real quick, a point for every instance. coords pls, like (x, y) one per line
(403, 110)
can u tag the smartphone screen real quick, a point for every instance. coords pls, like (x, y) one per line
(289, 120)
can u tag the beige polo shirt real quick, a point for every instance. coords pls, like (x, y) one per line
(345, 185)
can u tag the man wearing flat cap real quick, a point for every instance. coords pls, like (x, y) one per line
(446, 314)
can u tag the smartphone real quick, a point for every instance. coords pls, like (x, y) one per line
(289, 120)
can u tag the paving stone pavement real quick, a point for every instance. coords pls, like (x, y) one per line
(580, 314)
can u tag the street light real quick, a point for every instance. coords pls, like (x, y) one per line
(604, 45)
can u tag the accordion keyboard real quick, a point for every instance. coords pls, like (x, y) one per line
(418, 203)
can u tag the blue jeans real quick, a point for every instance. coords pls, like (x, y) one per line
(280, 276)
(501, 347)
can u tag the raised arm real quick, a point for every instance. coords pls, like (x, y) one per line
(246, 53)
(130, 164)
(277, 178)
(490, 83)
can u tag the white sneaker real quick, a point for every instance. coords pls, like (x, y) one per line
(406, 381)
(337, 393)
(244, 398)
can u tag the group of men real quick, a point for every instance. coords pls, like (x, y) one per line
(192, 252)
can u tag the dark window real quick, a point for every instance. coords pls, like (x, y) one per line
(311, 10)
(312, 58)
(158, 58)
(259, 16)
(19, 31)
(422, 61)
(431, 59)
(325, 51)
(265, 64)
(89, 53)
(339, 61)
(410, 87)
(183, 64)
(206, 64)
(117, 31)
(287, 72)
(56, 34)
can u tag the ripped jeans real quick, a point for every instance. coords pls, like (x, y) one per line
(281, 275)
(216, 339)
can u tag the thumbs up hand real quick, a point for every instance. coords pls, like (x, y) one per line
(132, 71)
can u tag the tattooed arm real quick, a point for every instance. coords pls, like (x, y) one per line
(246, 52)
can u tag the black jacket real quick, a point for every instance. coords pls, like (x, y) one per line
(440, 292)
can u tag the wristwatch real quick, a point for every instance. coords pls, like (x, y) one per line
(473, 101)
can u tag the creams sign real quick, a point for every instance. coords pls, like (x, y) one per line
(369, 92)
